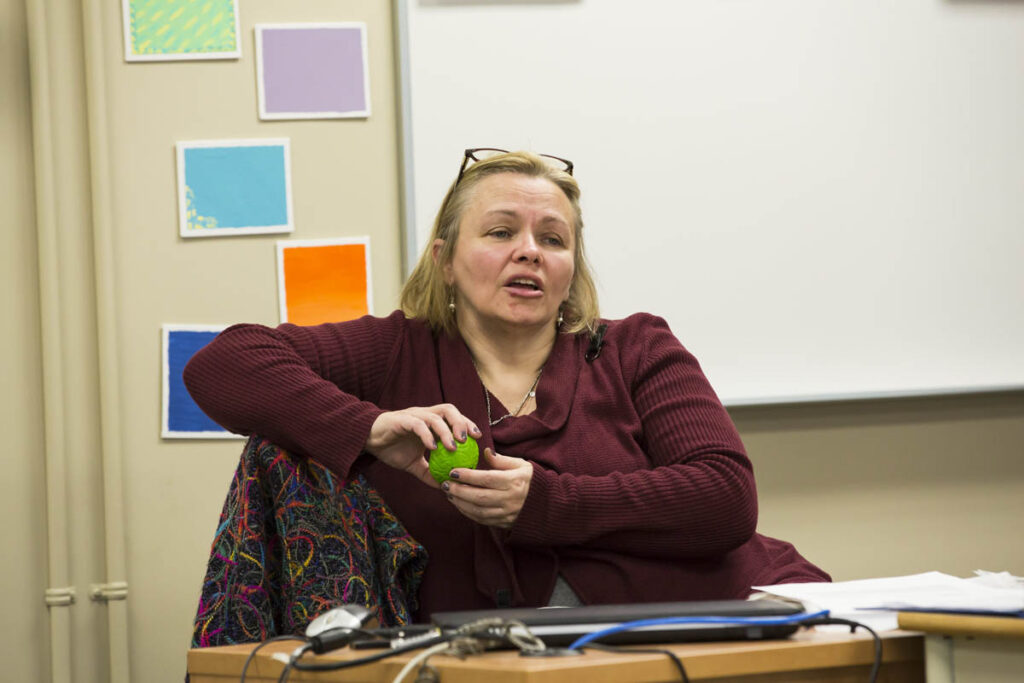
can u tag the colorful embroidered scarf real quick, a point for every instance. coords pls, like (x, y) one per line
(294, 541)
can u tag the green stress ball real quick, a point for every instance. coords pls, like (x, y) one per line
(442, 460)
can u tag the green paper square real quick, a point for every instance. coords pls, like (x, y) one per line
(181, 29)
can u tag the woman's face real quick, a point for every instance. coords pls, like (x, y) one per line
(513, 261)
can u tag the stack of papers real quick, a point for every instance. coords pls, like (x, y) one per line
(875, 601)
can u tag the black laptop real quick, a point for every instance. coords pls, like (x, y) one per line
(561, 626)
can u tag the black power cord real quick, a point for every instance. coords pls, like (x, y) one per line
(328, 640)
(854, 625)
(252, 654)
(484, 632)
(819, 619)
(296, 664)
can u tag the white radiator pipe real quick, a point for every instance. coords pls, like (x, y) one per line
(59, 596)
(116, 588)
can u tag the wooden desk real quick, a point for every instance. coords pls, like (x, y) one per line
(805, 657)
(968, 649)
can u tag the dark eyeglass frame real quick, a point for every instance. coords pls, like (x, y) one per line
(471, 154)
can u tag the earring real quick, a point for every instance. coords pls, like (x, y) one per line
(451, 302)
(560, 317)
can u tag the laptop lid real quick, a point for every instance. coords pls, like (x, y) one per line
(560, 626)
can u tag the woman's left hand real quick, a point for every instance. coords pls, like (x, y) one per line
(492, 497)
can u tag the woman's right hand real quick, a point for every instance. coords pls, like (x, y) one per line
(402, 438)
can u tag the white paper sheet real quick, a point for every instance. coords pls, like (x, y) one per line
(876, 601)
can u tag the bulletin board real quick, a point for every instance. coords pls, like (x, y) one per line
(824, 200)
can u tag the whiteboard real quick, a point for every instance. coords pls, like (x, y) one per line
(824, 199)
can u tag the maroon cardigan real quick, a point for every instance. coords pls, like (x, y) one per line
(641, 488)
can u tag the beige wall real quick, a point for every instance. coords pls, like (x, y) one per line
(863, 488)
(880, 488)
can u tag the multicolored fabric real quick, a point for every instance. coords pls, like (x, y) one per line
(294, 541)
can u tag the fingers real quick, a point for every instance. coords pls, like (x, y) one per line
(439, 427)
(503, 472)
(421, 429)
(401, 438)
(456, 425)
(442, 423)
(447, 423)
(502, 462)
(499, 513)
(492, 497)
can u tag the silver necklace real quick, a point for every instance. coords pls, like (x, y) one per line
(531, 393)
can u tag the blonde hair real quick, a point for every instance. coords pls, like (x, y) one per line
(426, 294)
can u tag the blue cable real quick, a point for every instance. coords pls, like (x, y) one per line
(739, 621)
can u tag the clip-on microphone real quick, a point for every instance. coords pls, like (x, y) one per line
(596, 342)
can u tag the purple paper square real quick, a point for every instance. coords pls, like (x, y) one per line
(314, 71)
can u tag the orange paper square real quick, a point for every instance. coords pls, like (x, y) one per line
(323, 282)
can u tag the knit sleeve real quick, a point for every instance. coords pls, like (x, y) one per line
(694, 498)
(311, 390)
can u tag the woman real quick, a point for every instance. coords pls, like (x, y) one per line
(611, 472)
